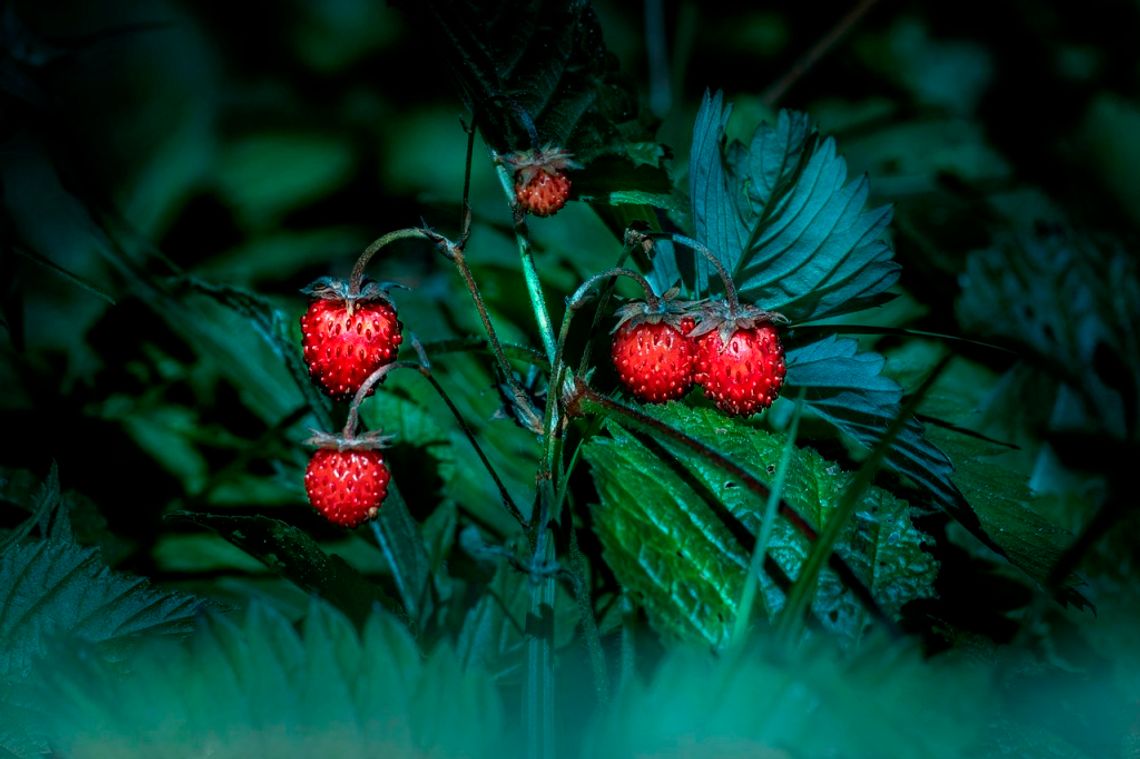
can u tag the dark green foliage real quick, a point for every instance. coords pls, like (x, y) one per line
(924, 194)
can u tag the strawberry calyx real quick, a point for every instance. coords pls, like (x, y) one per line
(723, 318)
(369, 291)
(370, 440)
(666, 309)
(527, 163)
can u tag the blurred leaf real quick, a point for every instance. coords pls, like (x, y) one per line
(782, 218)
(810, 702)
(54, 587)
(1107, 137)
(664, 541)
(76, 279)
(266, 174)
(949, 74)
(295, 555)
(253, 686)
(493, 634)
(1072, 307)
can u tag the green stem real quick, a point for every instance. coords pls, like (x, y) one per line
(356, 279)
(530, 272)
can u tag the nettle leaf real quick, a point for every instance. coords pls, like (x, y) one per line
(664, 540)
(54, 587)
(815, 701)
(1074, 308)
(781, 216)
(254, 686)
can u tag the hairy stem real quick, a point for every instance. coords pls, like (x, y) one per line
(725, 277)
(356, 279)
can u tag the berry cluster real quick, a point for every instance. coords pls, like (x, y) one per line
(348, 334)
(734, 353)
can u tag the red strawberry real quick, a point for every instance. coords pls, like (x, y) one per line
(652, 352)
(740, 360)
(347, 486)
(347, 337)
(541, 184)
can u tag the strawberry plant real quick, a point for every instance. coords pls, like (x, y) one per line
(782, 408)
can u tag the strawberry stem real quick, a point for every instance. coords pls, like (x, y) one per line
(729, 288)
(577, 300)
(366, 388)
(356, 279)
(522, 402)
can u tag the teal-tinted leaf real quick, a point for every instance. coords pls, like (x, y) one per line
(847, 389)
(293, 554)
(56, 588)
(783, 219)
(772, 704)
(686, 566)
(254, 686)
(493, 634)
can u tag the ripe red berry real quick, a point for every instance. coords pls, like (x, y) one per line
(655, 360)
(541, 184)
(347, 487)
(346, 338)
(740, 362)
(544, 193)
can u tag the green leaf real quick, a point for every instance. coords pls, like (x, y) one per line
(1007, 508)
(666, 541)
(782, 218)
(253, 686)
(773, 704)
(266, 174)
(293, 554)
(54, 587)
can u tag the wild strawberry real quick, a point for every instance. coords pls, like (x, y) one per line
(347, 486)
(740, 360)
(652, 351)
(541, 184)
(346, 336)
